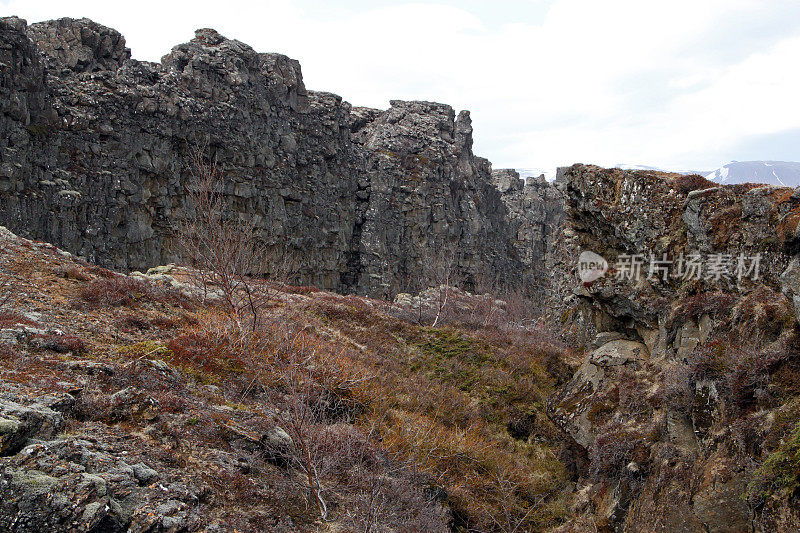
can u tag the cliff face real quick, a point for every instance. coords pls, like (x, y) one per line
(101, 163)
(536, 216)
(429, 201)
(686, 401)
(97, 148)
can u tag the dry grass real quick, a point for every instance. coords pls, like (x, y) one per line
(122, 291)
(398, 419)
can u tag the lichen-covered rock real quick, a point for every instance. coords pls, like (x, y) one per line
(79, 485)
(687, 372)
(80, 45)
(20, 423)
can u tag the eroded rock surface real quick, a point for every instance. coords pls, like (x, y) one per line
(677, 398)
(97, 154)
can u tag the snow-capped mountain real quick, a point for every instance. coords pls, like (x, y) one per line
(782, 173)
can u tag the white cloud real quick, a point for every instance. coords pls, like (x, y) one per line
(670, 83)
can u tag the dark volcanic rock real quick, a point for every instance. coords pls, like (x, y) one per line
(79, 45)
(97, 148)
(536, 214)
(427, 199)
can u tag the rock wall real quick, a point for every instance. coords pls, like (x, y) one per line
(681, 401)
(429, 202)
(97, 151)
(536, 215)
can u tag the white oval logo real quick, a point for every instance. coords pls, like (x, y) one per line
(591, 266)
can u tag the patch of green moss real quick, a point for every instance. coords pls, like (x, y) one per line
(40, 130)
(450, 344)
(780, 473)
(449, 356)
(149, 349)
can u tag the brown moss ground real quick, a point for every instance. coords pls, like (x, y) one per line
(438, 402)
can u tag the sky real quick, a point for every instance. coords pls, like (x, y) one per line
(680, 85)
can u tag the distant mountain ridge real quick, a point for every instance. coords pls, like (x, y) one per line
(780, 173)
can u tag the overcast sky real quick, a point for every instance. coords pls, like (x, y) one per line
(684, 84)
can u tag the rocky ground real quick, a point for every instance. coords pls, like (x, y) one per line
(126, 405)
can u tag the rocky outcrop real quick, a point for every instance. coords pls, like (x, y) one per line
(686, 371)
(428, 203)
(101, 163)
(79, 46)
(536, 215)
(97, 154)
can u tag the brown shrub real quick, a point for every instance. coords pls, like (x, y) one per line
(6, 352)
(122, 291)
(764, 376)
(692, 182)
(164, 322)
(131, 322)
(343, 312)
(304, 290)
(13, 318)
(615, 448)
(73, 272)
(715, 304)
(633, 395)
(171, 403)
(60, 343)
(676, 388)
(100, 271)
(762, 315)
(113, 292)
(200, 348)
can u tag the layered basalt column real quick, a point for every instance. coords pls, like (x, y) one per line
(97, 150)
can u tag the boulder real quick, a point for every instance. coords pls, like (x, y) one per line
(19, 424)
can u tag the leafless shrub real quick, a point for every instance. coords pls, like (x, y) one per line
(73, 272)
(59, 343)
(439, 271)
(615, 448)
(505, 511)
(313, 389)
(224, 247)
(632, 394)
(677, 387)
(124, 291)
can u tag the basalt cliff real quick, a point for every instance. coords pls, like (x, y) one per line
(98, 150)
